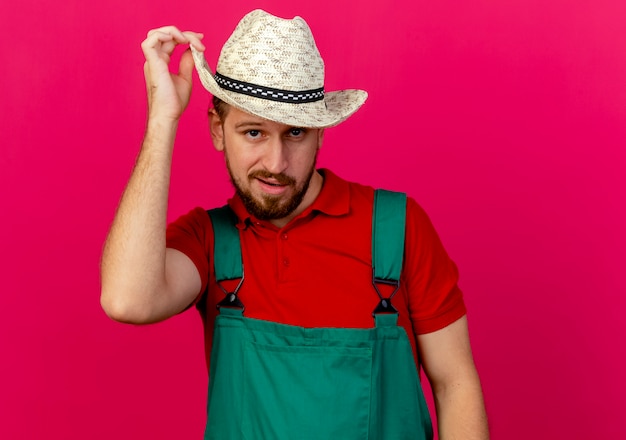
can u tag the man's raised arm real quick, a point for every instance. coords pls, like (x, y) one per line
(142, 281)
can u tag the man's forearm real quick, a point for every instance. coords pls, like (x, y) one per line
(461, 412)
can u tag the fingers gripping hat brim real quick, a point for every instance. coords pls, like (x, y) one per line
(280, 72)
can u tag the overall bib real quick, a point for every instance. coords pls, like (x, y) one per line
(282, 382)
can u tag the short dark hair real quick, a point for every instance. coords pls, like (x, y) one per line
(221, 108)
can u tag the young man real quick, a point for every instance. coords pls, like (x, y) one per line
(302, 340)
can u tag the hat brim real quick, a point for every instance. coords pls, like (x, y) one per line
(335, 108)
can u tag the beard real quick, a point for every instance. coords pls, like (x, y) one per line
(268, 206)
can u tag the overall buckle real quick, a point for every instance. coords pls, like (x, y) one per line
(385, 306)
(231, 300)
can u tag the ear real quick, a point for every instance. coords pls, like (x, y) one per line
(320, 138)
(216, 126)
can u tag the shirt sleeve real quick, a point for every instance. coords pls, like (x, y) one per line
(192, 234)
(431, 277)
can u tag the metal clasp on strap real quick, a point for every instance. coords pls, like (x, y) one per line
(385, 306)
(231, 299)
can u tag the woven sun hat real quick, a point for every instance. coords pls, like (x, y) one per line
(270, 67)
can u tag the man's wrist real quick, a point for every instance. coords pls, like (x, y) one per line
(160, 131)
(160, 124)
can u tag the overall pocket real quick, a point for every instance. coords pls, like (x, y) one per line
(306, 392)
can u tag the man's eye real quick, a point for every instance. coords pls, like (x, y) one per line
(253, 133)
(296, 132)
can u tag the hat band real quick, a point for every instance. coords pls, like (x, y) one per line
(267, 92)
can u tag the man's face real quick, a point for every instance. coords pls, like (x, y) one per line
(271, 165)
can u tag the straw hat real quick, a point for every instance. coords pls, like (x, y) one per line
(270, 67)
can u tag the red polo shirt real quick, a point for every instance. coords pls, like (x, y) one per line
(317, 270)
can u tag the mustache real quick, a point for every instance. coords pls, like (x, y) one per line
(281, 178)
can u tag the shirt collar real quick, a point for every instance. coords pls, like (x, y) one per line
(333, 200)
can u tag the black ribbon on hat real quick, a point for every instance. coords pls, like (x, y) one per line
(269, 93)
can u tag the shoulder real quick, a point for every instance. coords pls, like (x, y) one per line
(196, 219)
(192, 229)
(416, 214)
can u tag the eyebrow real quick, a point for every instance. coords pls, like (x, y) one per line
(246, 124)
(259, 125)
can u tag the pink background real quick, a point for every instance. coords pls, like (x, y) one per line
(505, 120)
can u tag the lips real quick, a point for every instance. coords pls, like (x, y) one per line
(274, 184)
(270, 179)
(272, 188)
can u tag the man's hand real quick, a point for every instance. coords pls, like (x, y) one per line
(168, 92)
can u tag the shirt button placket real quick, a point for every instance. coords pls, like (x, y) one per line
(284, 238)
(283, 259)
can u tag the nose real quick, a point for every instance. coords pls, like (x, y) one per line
(275, 159)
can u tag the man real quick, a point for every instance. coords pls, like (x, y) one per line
(293, 347)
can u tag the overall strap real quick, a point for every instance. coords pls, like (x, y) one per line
(227, 259)
(388, 228)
